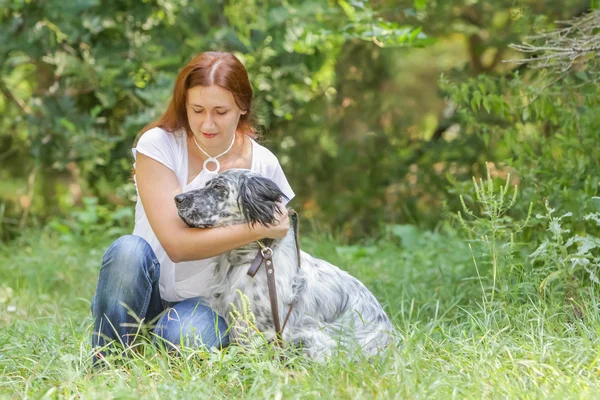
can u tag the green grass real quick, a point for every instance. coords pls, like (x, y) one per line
(454, 344)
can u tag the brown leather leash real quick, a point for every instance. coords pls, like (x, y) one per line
(265, 255)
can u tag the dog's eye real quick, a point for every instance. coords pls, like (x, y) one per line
(219, 186)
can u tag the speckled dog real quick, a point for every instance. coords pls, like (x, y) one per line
(332, 309)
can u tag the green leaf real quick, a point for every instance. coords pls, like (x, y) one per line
(420, 4)
(486, 104)
(476, 101)
(553, 276)
(71, 127)
(348, 9)
(582, 76)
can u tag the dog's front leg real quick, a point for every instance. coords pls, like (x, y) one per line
(314, 343)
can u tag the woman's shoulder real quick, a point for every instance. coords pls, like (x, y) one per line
(160, 135)
(162, 145)
(263, 155)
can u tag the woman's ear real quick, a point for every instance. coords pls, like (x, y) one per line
(258, 199)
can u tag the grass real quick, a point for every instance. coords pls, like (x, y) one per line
(454, 342)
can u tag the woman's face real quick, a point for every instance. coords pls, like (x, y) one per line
(213, 117)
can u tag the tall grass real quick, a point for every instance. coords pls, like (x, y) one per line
(455, 342)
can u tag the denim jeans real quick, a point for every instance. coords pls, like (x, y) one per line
(128, 293)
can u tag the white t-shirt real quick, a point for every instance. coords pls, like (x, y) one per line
(184, 280)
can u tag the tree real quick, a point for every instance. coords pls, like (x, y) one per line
(79, 79)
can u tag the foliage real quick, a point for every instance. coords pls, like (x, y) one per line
(494, 231)
(575, 45)
(544, 135)
(79, 80)
(93, 219)
(390, 160)
(562, 256)
(339, 98)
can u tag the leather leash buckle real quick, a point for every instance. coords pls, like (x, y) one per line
(266, 252)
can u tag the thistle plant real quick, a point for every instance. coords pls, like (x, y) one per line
(490, 226)
(561, 256)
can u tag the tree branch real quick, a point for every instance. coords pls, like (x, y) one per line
(24, 108)
(558, 50)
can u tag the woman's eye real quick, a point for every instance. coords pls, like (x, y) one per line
(222, 113)
(198, 111)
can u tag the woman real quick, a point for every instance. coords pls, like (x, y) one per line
(164, 269)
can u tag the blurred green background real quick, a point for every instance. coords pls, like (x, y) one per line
(380, 112)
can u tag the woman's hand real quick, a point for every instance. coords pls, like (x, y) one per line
(281, 226)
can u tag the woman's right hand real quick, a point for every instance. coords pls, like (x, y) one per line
(281, 226)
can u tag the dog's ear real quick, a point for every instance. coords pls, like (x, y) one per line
(258, 198)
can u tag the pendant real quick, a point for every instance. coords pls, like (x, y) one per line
(212, 160)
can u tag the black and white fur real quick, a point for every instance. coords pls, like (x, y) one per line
(332, 310)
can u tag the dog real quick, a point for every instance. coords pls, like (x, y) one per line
(331, 309)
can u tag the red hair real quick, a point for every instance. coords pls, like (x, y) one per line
(206, 69)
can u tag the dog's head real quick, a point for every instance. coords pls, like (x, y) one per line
(232, 197)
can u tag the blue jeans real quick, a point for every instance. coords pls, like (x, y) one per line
(127, 294)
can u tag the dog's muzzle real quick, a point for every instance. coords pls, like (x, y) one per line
(182, 203)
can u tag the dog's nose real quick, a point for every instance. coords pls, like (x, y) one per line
(179, 198)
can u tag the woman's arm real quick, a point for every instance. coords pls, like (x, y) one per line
(157, 186)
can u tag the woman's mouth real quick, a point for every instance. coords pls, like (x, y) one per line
(209, 135)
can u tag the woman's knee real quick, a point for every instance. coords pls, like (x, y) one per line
(129, 270)
(127, 247)
(192, 323)
(127, 257)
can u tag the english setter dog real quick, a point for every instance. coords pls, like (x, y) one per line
(331, 308)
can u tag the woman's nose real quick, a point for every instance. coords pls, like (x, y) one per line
(208, 124)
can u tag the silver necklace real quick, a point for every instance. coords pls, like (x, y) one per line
(213, 159)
